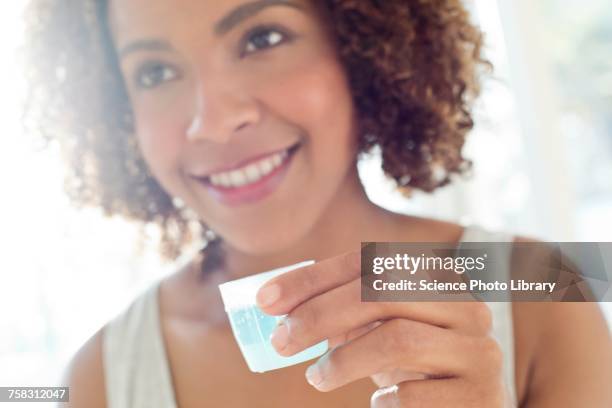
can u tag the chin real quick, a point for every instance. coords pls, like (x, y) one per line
(270, 242)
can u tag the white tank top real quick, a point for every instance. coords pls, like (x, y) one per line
(136, 368)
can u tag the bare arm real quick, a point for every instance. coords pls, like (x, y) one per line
(573, 358)
(85, 376)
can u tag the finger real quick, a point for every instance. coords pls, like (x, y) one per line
(440, 393)
(350, 335)
(332, 315)
(281, 294)
(398, 375)
(339, 311)
(397, 343)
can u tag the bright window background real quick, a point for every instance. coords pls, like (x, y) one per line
(543, 165)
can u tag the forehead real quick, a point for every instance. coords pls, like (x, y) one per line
(130, 18)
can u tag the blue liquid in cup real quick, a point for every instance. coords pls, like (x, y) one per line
(252, 329)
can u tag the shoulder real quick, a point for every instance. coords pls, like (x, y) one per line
(84, 375)
(410, 228)
(86, 371)
(563, 352)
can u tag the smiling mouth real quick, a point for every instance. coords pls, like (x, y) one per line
(251, 173)
(252, 182)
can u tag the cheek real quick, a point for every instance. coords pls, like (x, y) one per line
(316, 96)
(159, 137)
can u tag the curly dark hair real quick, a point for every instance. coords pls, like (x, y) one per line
(413, 67)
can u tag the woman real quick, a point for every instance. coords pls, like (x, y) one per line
(246, 118)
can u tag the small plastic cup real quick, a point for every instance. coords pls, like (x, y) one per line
(252, 328)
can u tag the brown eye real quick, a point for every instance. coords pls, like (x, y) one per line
(263, 37)
(153, 74)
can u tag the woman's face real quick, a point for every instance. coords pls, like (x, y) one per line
(222, 93)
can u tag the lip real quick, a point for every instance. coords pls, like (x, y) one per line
(234, 196)
(241, 163)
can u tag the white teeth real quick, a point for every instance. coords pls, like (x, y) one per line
(276, 160)
(238, 178)
(250, 173)
(224, 178)
(265, 166)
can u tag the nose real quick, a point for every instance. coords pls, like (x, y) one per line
(220, 111)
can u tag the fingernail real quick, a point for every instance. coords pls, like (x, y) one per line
(268, 295)
(280, 337)
(313, 375)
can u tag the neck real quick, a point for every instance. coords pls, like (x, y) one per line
(349, 219)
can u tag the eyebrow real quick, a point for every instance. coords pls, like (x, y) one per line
(235, 17)
(247, 10)
(145, 45)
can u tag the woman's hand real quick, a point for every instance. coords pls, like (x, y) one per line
(437, 354)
